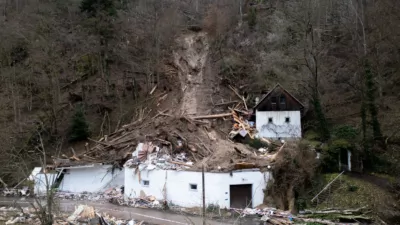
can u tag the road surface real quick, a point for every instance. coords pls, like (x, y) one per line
(121, 212)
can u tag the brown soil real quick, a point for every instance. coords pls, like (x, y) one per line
(193, 90)
(198, 92)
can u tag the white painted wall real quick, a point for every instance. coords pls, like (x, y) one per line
(91, 179)
(278, 128)
(177, 183)
(41, 184)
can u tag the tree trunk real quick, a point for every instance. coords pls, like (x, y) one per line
(291, 199)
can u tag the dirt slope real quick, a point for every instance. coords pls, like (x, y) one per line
(204, 142)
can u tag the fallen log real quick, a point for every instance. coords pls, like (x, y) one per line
(241, 97)
(215, 116)
(99, 142)
(326, 222)
(179, 163)
(265, 140)
(225, 103)
(335, 211)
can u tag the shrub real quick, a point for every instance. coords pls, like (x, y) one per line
(352, 188)
(252, 21)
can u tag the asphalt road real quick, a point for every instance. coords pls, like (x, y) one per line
(148, 215)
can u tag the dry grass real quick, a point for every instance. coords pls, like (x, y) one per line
(355, 193)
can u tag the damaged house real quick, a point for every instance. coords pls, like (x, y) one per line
(151, 172)
(278, 115)
(161, 161)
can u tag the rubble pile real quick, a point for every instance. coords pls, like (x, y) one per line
(107, 195)
(175, 141)
(112, 195)
(329, 217)
(141, 202)
(83, 214)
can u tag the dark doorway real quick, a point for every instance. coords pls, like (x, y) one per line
(240, 196)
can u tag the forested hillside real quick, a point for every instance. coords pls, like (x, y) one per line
(74, 69)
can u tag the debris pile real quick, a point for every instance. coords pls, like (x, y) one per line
(141, 202)
(107, 195)
(268, 215)
(83, 214)
(242, 126)
(329, 216)
(174, 141)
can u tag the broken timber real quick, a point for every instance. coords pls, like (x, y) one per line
(215, 116)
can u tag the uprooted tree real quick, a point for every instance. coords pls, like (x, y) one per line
(294, 168)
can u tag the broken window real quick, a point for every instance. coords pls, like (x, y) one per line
(270, 120)
(145, 183)
(287, 120)
(193, 187)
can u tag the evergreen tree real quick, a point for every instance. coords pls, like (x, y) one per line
(79, 127)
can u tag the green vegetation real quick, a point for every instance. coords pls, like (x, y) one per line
(79, 129)
(252, 20)
(354, 193)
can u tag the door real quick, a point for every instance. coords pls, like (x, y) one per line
(240, 196)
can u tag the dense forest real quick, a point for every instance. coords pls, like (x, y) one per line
(73, 69)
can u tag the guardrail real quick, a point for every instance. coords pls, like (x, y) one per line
(327, 186)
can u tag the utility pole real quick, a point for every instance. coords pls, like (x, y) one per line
(204, 195)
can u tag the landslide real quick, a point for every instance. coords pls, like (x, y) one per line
(168, 116)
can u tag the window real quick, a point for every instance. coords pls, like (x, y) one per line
(283, 100)
(193, 187)
(270, 120)
(273, 103)
(287, 120)
(145, 183)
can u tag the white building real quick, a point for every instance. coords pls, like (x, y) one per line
(90, 178)
(79, 178)
(42, 181)
(278, 115)
(238, 189)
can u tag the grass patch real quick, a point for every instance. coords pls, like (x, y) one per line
(355, 193)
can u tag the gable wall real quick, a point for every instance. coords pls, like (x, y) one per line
(291, 103)
(278, 128)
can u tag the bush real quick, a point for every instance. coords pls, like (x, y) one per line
(352, 188)
(92, 7)
(252, 18)
(79, 127)
(346, 132)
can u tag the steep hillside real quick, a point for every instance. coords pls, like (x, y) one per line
(118, 62)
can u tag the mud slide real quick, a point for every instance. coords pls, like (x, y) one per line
(191, 58)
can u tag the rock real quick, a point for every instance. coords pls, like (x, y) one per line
(264, 218)
(16, 220)
(2, 218)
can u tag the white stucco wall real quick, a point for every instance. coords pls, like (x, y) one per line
(177, 183)
(41, 184)
(91, 179)
(278, 128)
